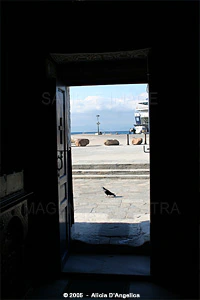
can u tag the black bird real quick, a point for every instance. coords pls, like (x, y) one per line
(108, 193)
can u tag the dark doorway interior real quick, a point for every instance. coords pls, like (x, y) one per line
(170, 30)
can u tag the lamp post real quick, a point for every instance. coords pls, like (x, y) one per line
(98, 123)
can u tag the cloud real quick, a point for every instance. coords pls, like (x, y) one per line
(99, 103)
(109, 121)
(93, 98)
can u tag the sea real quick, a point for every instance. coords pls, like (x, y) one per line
(103, 132)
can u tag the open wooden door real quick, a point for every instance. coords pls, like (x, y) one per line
(65, 194)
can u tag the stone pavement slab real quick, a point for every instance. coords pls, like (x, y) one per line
(132, 199)
(100, 219)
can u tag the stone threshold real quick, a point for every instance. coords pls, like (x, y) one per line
(121, 176)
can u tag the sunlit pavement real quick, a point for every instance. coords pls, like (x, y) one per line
(97, 153)
(101, 219)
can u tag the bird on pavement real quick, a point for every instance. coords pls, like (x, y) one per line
(108, 193)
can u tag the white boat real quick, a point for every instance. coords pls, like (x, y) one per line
(142, 117)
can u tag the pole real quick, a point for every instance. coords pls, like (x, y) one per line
(98, 123)
(127, 139)
(145, 138)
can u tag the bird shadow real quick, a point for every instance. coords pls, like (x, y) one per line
(114, 197)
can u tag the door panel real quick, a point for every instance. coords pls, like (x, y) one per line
(63, 166)
(69, 159)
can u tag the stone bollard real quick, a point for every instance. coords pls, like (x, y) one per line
(137, 141)
(81, 142)
(111, 142)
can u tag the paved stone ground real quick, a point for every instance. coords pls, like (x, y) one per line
(131, 204)
(97, 153)
(101, 219)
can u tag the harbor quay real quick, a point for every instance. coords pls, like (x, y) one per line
(98, 153)
(124, 170)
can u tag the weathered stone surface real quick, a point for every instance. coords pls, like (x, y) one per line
(111, 142)
(11, 183)
(137, 141)
(81, 142)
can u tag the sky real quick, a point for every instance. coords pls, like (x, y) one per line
(115, 105)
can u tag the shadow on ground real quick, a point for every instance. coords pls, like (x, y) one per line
(111, 237)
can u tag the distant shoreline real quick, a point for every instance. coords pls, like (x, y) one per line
(103, 132)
